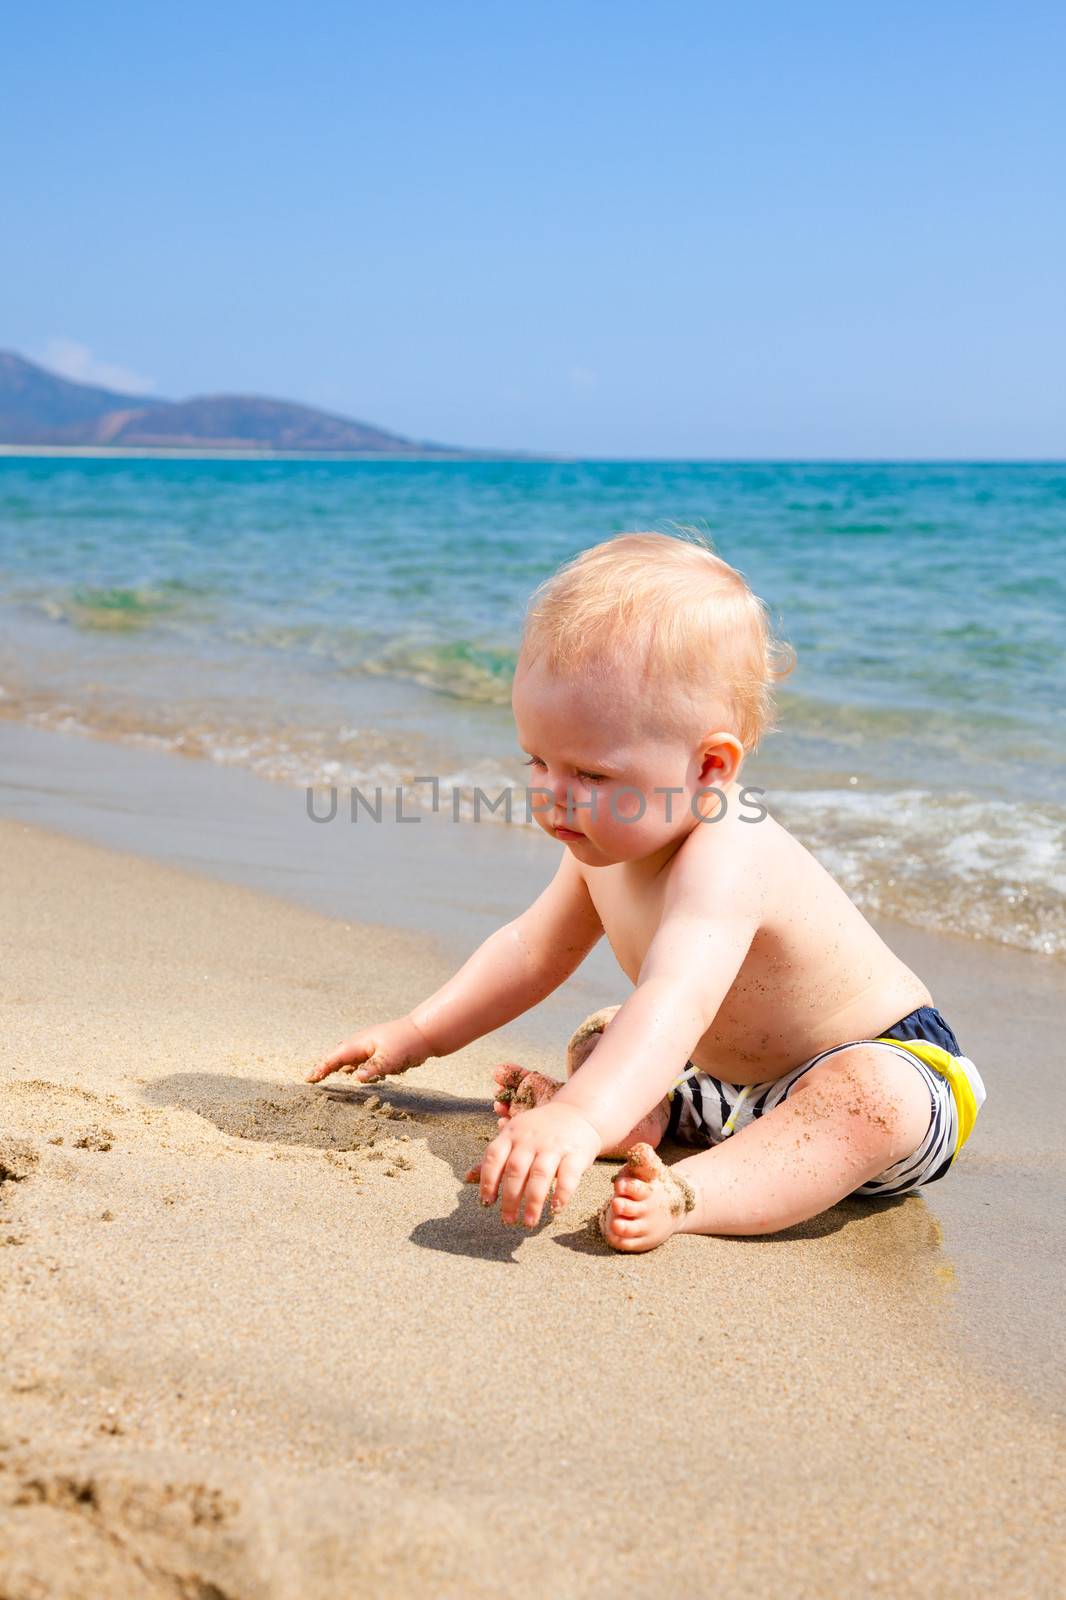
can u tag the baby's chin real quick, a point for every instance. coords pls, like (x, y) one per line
(594, 855)
(580, 843)
(575, 841)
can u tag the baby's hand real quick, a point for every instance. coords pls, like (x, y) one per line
(376, 1052)
(551, 1142)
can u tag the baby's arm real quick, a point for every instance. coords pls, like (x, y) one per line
(512, 971)
(703, 937)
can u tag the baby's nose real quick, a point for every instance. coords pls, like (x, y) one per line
(562, 794)
(561, 788)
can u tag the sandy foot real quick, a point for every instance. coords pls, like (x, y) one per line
(648, 1205)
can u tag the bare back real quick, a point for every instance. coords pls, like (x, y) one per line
(817, 974)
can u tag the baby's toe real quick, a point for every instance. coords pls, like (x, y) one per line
(627, 1218)
(632, 1188)
(625, 1238)
(605, 1217)
(625, 1227)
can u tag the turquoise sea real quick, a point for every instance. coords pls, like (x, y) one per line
(355, 622)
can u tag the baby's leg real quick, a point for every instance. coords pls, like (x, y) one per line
(520, 1089)
(845, 1122)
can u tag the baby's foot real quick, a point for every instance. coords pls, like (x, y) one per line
(520, 1090)
(649, 1203)
(586, 1037)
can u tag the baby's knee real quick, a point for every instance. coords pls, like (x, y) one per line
(874, 1093)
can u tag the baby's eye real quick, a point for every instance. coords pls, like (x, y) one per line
(593, 777)
(534, 761)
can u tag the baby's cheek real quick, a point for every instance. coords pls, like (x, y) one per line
(619, 807)
(639, 836)
(627, 809)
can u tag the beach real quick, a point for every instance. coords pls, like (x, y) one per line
(262, 1341)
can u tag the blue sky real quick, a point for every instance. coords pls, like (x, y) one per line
(704, 230)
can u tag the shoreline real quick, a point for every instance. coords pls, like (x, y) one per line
(77, 776)
(230, 822)
(264, 1338)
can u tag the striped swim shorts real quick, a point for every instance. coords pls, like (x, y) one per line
(704, 1110)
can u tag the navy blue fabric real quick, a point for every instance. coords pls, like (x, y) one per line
(926, 1023)
(677, 1106)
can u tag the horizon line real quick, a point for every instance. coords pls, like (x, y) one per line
(502, 457)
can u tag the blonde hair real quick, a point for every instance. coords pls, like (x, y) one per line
(669, 605)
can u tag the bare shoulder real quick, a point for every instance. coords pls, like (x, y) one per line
(728, 866)
(764, 875)
(758, 863)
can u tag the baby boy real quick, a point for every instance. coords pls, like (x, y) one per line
(769, 1025)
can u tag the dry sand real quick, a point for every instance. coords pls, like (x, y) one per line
(260, 1340)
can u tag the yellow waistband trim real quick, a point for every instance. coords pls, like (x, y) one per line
(948, 1067)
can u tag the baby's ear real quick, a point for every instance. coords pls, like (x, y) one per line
(723, 754)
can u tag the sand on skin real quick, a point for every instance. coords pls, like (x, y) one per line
(261, 1341)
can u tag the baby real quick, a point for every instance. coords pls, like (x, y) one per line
(769, 1024)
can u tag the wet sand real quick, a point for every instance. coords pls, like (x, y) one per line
(262, 1341)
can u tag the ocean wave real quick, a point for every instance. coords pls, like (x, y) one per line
(461, 668)
(117, 608)
(290, 753)
(988, 869)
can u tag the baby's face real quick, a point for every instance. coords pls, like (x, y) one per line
(593, 740)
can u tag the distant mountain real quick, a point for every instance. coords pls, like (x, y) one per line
(38, 407)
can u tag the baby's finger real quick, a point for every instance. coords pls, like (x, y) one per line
(366, 1074)
(492, 1164)
(369, 1071)
(538, 1183)
(474, 1175)
(346, 1056)
(567, 1179)
(514, 1181)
